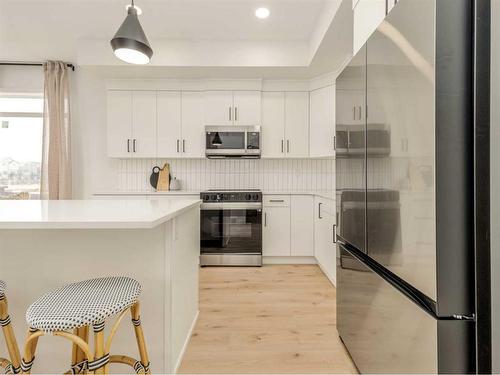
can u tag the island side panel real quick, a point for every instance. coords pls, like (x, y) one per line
(185, 289)
(36, 261)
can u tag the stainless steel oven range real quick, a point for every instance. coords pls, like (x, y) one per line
(231, 228)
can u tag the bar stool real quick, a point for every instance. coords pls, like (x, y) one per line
(69, 311)
(11, 366)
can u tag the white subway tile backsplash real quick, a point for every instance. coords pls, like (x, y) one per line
(201, 174)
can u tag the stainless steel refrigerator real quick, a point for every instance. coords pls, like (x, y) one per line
(405, 193)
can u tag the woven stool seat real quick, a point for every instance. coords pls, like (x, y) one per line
(3, 286)
(83, 303)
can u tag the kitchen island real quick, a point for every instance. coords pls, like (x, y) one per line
(46, 244)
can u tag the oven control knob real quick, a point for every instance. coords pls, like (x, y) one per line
(248, 197)
(206, 197)
(255, 197)
(213, 197)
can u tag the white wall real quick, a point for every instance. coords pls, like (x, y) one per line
(495, 182)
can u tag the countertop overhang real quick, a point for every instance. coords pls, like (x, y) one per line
(91, 214)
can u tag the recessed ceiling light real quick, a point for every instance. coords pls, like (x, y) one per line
(262, 13)
(139, 10)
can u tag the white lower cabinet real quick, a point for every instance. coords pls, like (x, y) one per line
(288, 228)
(325, 249)
(302, 225)
(276, 226)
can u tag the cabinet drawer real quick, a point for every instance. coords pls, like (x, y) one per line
(276, 200)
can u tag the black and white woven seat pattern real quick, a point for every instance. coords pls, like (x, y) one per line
(83, 303)
(3, 286)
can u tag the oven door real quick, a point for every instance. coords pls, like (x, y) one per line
(231, 228)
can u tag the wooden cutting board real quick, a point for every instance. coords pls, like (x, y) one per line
(164, 178)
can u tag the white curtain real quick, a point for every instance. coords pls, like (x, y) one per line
(56, 158)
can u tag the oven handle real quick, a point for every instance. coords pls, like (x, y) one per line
(231, 206)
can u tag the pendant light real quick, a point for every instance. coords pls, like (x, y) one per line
(130, 43)
(216, 141)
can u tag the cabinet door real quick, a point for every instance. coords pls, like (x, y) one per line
(348, 105)
(324, 247)
(169, 124)
(218, 108)
(276, 231)
(193, 135)
(273, 125)
(322, 127)
(144, 124)
(297, 124)
(119, 124)
(247, 107)
(302, 225)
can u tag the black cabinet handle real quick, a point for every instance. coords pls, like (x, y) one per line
(128, 145)
(334, 233)
(134, 144)
(319, 210)
(183, 145)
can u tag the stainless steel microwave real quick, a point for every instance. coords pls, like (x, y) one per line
(232, 142)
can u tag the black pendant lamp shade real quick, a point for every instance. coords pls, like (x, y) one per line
(130, 43)
(216, 141)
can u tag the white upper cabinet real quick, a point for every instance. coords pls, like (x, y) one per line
(193, 130)
(144, 124)
(232, 107)
(273, 124)
(169, 124)
(131, 124)
(218, 108)
(285, 124)
(322, 122)
(119, 124)
(297, 124)
(247, 107)
(350, 107)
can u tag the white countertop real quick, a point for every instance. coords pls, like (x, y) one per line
(90, 214)
(323, 194)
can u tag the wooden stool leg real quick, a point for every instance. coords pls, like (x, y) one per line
(78, 356)
(29, 350)
(99, 344)
(10, 338)
(139, 335)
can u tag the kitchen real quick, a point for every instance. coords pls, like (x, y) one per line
(309, 163)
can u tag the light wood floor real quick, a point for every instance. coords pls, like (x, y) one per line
(274, 319)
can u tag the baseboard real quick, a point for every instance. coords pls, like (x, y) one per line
(289, 260)
(186, 343)
(328, 276)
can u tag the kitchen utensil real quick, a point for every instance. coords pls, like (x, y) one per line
(164, 178)
(153, 179)
(175, 184)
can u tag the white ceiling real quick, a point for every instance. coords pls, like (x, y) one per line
(183, 33)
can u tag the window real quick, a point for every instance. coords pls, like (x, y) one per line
(21, 130)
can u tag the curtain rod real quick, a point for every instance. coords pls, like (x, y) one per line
(69, 65)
